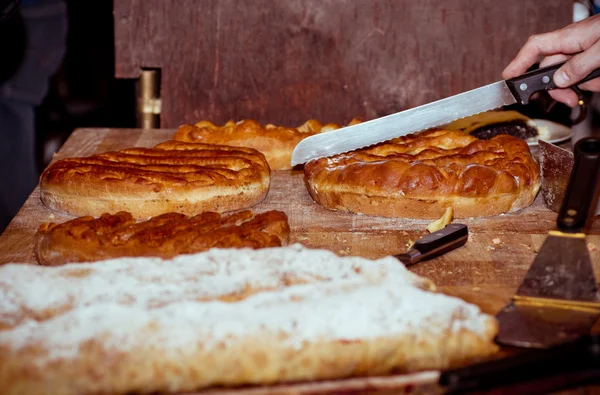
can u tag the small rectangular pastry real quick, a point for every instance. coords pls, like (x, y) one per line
(226, 317)
(171, 177)
(88, 239)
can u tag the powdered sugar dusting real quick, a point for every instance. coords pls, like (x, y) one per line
(308, 296)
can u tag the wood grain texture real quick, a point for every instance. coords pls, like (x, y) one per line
(499, 251)
(486, 271)
(288, 61)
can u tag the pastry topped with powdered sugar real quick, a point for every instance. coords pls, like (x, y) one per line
(226, 317)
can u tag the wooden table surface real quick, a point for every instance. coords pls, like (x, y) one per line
(486, 271)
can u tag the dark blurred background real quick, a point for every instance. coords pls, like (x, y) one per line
(84, 91)
(56, 75)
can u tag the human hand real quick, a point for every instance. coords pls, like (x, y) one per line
(578, 43)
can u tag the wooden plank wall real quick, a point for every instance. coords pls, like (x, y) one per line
(286, 61)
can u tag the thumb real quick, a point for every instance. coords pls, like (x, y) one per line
(578, 67)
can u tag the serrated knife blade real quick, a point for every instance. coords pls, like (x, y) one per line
(402, 123)
(489, 97)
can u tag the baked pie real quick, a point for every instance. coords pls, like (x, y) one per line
(421, 175)
(170, 177)
(276, 142)
(88, 239)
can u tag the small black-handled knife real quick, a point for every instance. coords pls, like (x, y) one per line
(435, 244)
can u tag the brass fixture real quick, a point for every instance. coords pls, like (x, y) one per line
(148, 99)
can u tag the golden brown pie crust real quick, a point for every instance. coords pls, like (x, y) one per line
(88, 239)
(276, 142)
(171, 177)
(420, 175)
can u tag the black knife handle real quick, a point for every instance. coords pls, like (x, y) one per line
(575, 206)
(523, 86)
(436, 244)
(566, 361)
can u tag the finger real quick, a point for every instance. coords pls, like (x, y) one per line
(592, 86)
(572, 39)
(537, 45)
(578, 67)
(553, 59)
(566, 96)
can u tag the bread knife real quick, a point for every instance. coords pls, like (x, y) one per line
(435, 244)
(489, 97)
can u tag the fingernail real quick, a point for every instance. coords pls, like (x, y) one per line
(561, 78)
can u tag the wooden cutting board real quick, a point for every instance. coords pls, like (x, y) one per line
(486, 271)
